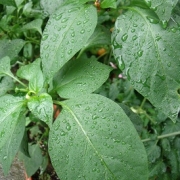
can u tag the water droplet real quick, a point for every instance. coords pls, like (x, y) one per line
(124, 37)
(64, 20)
(134, 37)
(70, 51)
(58, 17)
(164, 24)
(148, 2)
(82, 31)
(173, 29)
(68, 127)
(169, 64)
(73, 34)
(140, 53)
(158, 38)
(152, 20)
(5, 157)
(45, 36)
(121, 63)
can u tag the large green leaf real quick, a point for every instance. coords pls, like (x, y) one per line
(149, 56)
(108, 4)
(10, 48)
(12, 124)
(32, 72)
(42, 107)
(93, 138)
(33, 162)
(163, 8)
(80, 76)
(66, 32)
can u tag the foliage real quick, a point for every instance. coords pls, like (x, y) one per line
(56, 56)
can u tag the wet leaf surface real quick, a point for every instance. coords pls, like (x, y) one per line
(87, 141)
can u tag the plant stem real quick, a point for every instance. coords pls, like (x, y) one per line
(16, 79)
(163, 136)
(143, 102)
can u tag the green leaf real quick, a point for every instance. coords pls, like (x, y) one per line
(5, 67)
(109, 4)
(10, 48)
(42, 107)
(156, 169)
(71, 25)
(33, 162)
(32, 72)
(162, 8)
(149, 56)
(136, 120)
(12, 124)
(80, 76)
(100, 37)
(171, 127)
(24, 145)
(153, 151)
(6, 85)
(33, 25)
(8, 2)
(50, 7)
(90, 139)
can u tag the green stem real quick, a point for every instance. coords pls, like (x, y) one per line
(163, 136)
(16, 79)
(143, 102)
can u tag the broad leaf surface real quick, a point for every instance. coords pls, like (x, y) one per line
(42, 107)
(32, 72)
(71, 25)
(8, 2)
(10, 48)
(163, 8)
(33, 162)
(88, 140)
(149, 56)
(80, 76)
(6, 84)
(34, 25)
(12, 124)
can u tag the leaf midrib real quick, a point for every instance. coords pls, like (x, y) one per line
(88, 139)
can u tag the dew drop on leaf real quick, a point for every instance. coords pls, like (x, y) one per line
(124, 37)
(152, 20)
(82, 31)
(164, 24)
(121, 63)
(45, 36)
(140, 53)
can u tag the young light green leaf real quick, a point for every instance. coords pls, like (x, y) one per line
(33, 25)
(42, 107)
(10, 48)
(162, 8)
(71, 25)
(8, 2)
(33, 162)
(109, 4)
(80, 76)
(88, 140)
(149, 56)
(32, 72)
(12, 124)
(6, 84)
